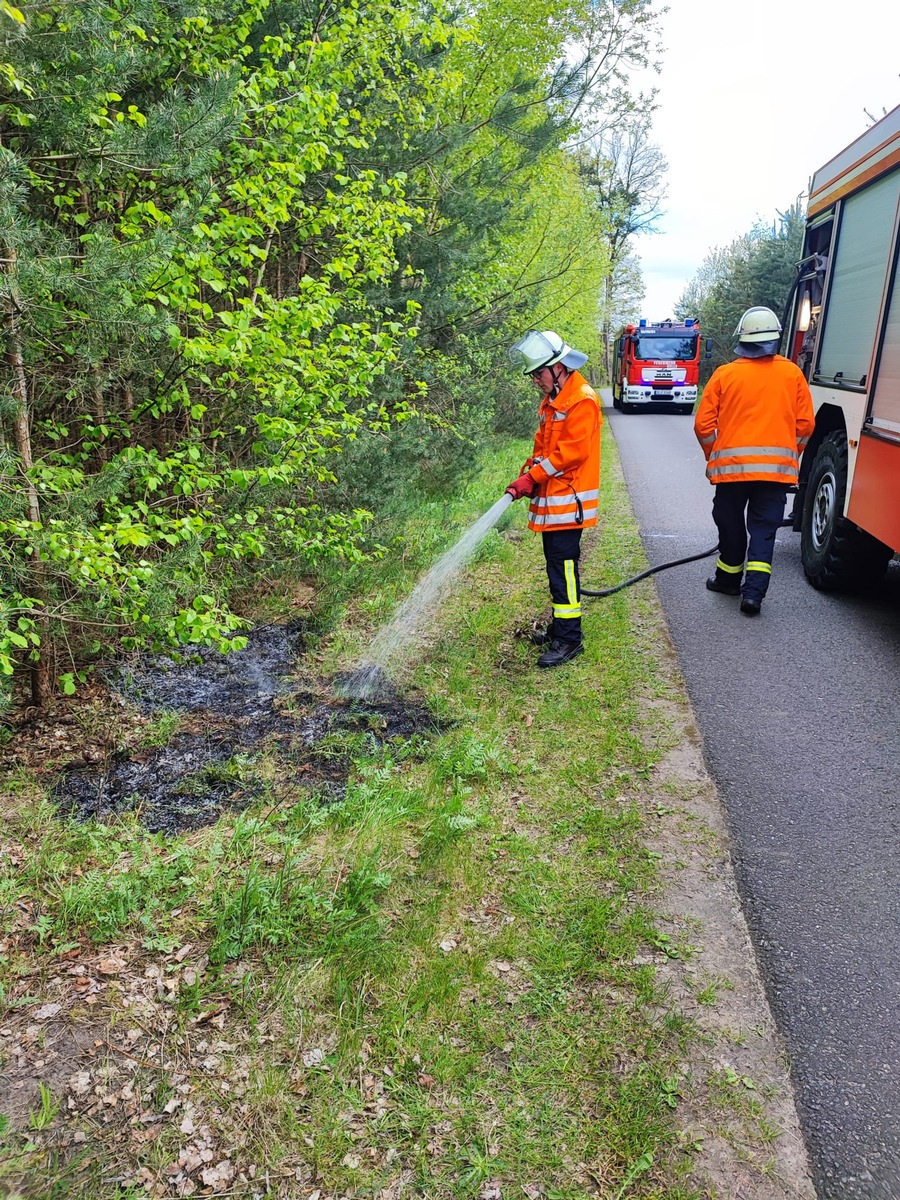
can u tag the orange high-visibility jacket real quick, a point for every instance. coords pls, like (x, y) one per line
(754, 420)
(566, 463)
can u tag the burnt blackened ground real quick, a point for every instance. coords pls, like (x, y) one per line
(234, 706)
(242, 684)
(180, 786)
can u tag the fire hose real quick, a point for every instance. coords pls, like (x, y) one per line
(514, 491)
(676, 562)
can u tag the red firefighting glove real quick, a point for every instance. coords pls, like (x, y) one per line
(523, 486)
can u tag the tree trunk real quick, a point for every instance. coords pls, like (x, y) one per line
(128, 401)
(40, 675)
(99, 406)
(606, 328)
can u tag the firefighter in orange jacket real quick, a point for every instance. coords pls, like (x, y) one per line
(753, 423)
(562, 479)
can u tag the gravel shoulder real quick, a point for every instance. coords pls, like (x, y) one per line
(743, 1116)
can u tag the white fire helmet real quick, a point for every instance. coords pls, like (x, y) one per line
(536, 350)
(758, 325)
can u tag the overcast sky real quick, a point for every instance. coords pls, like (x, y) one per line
(754, 97)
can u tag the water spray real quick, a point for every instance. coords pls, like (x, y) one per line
(369, 679)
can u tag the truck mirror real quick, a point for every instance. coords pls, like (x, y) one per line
(709, 347)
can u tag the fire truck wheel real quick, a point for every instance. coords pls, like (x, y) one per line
(836, 554)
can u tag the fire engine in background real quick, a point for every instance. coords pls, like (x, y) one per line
(657, 364)
(843, 330)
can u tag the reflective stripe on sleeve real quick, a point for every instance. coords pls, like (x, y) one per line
(758, 451)
(708, 441)
(723, 566)
(765, 567)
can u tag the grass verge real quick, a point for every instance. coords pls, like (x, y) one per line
(443, 984)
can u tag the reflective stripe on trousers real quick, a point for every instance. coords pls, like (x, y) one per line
(572, 607)
(763, 503)
(562, 549)
(729, 570)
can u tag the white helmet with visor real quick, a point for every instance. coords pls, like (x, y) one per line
(537, 350)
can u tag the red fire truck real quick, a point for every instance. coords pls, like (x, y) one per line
(843, 330)
(657, 364)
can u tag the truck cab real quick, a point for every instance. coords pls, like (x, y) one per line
(657, 364)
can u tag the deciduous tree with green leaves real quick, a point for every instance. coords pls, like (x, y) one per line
(187, 256)
(627, 172)
(513, 238)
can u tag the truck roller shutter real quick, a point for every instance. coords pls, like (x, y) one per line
(886, 402)
(857, 283)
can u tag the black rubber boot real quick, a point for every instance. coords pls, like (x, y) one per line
(560, 652)
(749, 607)
(714, 584)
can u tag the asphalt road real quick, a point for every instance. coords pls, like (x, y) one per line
(798, 710)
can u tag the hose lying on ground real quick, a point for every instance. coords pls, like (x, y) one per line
(677, 562)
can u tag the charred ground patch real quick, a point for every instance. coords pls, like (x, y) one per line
(242, 684)
(230, 708)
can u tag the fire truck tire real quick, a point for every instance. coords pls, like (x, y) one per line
(836, 554)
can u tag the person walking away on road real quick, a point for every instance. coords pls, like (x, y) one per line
(562, 479)
(753, 422)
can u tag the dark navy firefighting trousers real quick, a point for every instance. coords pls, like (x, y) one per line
(562, 549)
(748, 512)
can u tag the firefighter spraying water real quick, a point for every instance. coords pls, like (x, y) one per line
(561, 480)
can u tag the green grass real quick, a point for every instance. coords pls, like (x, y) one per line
(161, 728)
(442, 980)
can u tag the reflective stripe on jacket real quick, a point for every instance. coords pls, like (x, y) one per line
(754, 420)
(567, 459)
